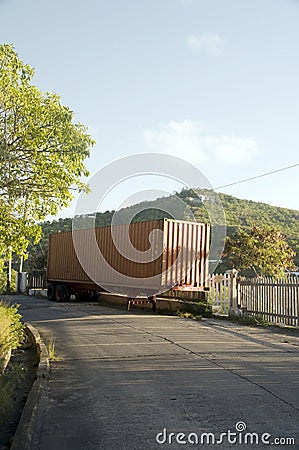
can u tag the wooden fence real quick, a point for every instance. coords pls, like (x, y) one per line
(275, 300)
(37, 280)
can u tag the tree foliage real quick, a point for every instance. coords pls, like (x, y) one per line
(42, 153)
(261, 249)
(242, 213)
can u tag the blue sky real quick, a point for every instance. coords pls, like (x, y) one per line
(214, 82)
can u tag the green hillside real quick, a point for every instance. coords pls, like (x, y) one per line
(238, 212)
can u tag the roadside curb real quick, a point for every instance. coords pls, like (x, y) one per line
(24, 433)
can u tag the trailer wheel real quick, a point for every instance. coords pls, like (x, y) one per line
(86, 295)
(51, 292)
(94, 295)
(62, 293)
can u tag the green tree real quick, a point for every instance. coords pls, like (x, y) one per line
(261, 249)
(42, 153)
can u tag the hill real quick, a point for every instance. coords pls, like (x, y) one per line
(238, 212)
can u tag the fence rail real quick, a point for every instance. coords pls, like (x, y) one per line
(277, 301)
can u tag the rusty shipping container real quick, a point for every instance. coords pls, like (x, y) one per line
(143, 257)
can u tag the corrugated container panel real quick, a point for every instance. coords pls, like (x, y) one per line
(62, 260)
(187, 248)
(139, 238)
(180, 258)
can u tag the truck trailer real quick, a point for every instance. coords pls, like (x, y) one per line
(142, 258)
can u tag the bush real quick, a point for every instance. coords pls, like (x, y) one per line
(197, 309)
(11, 331)
(3, 280)
(250, 320)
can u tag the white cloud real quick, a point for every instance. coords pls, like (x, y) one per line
(178, 138)
(231, 149)
(209, 42)
(188, 140)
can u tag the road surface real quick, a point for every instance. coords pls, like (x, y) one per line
(143, 381)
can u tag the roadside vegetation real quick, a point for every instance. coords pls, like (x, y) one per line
(3, 281)
(11, 338)
(195, 310)
(11, 331)
(42, 155)
(51, 350)
(257, 320)
(262, 250)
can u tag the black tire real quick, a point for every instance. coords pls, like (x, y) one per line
(51, 292)
(94, 295)
(62, 293)
(87, 296)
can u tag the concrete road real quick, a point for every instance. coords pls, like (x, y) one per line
(143, 381)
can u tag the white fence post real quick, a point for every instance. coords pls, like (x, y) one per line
(233, 293)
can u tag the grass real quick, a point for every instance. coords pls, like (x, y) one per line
(190, 310)
(51, 350)
(8, 383)
(188, 315)
(11, 337)
(250, 320)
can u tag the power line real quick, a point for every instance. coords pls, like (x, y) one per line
(258, 176)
